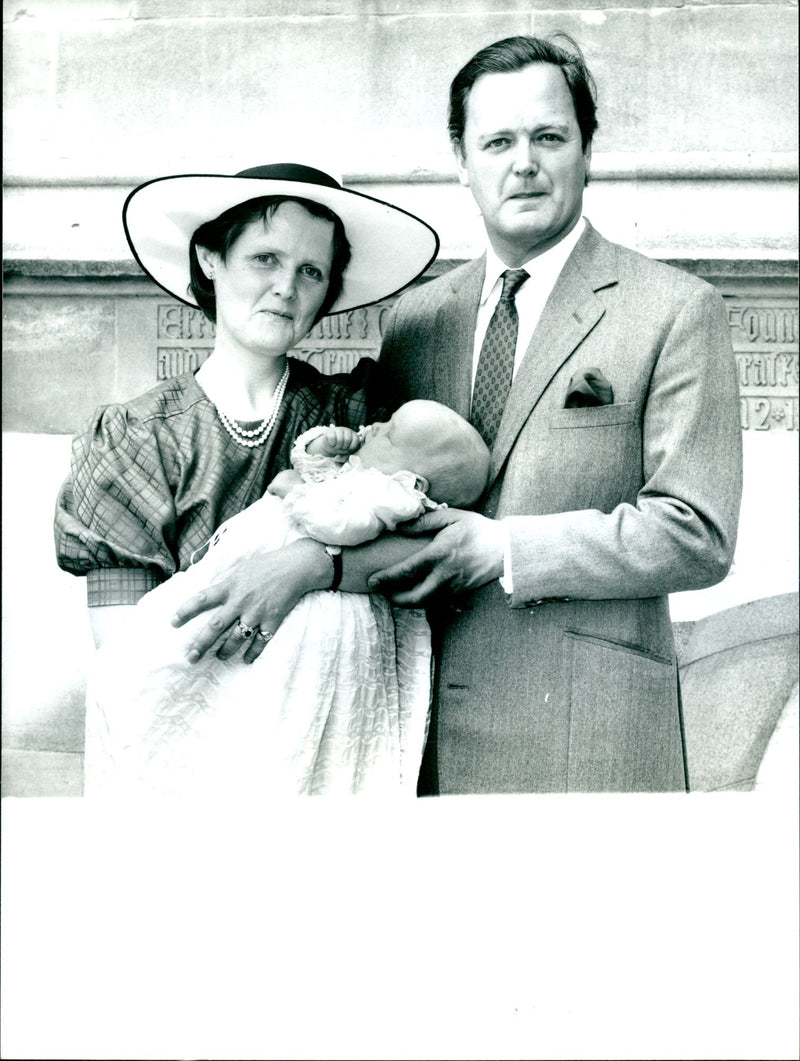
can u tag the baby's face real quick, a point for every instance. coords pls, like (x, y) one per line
(402, 442)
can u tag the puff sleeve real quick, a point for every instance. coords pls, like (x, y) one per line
(115, 515)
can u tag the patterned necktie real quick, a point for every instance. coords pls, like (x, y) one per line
(496, 361)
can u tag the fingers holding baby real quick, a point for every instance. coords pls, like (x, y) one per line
(347, 487)
(466, 552)
(254, 591)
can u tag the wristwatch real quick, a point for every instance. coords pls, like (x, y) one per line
(335, 553)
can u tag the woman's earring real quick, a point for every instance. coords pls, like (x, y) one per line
(211, 274)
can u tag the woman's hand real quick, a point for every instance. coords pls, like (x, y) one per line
(258, 590)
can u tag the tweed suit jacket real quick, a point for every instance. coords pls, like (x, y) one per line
(570, 683)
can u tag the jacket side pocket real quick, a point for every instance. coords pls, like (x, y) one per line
(624, 718)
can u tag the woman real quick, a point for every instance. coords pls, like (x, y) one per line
(265, 254)
(338, 701)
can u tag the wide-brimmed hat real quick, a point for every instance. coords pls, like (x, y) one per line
(389, 247)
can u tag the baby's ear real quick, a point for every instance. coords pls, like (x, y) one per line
(421, 483)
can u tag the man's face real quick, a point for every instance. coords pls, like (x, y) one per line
(522, 159)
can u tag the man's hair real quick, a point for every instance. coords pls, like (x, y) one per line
(220, 234)
(515, 53)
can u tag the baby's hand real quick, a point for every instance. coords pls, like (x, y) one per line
(335, 442)
(284, 482)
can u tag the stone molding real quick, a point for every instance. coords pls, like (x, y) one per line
(17, 270)
(80, 333)
(606, 166)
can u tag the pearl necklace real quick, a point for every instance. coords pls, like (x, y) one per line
(256, 436)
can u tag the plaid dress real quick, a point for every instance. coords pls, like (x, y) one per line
(153, 478)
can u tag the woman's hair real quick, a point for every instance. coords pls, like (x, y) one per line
(220, 235)
(515, 53)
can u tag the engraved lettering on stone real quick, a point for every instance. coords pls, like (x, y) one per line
(762, 414)
(764, 333)
(768, 385)
(176, 360)
(768, 375)
(360, 318)
(353, 326)
(768, 370)
(330, 361)
(183, 322)
(198, 325)
(335, 344)
(330, 328)
(763, 324)
(169, 322)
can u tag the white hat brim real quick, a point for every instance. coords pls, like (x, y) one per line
(390, 248)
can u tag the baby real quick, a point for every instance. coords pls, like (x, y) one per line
(338, 700)
(371, 486)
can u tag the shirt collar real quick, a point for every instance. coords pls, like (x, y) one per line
(543, 268)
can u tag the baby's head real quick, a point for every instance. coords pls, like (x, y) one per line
(436, 444)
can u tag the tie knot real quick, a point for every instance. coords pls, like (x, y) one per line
(513, 279)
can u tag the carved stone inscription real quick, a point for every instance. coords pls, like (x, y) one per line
(185, 339)
(336, 344)
(765, 338)
(764, 332)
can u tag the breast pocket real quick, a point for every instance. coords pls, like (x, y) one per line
(591, 457)
(595, 416)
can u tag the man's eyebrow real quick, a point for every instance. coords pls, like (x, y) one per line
(563, 127)
(495, 133)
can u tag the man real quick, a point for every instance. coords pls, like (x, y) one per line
(616, 457)
(615, 475)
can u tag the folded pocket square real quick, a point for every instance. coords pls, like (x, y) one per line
(589, 387)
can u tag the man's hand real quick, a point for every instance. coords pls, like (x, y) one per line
(467, 552)
(259, 589)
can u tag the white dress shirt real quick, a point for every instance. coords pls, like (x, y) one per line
(530, 298)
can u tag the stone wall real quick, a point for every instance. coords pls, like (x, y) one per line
(695, 156)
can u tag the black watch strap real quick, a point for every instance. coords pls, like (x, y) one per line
(335, 553)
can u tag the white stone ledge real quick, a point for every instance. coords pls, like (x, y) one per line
(606, 166)
(714, 218)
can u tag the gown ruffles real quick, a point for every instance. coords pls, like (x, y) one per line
(337, 702)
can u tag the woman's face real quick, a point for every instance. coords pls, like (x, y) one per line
(273, 282)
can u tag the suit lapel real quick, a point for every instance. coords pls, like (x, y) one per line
(571, 312)
(454, 338)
